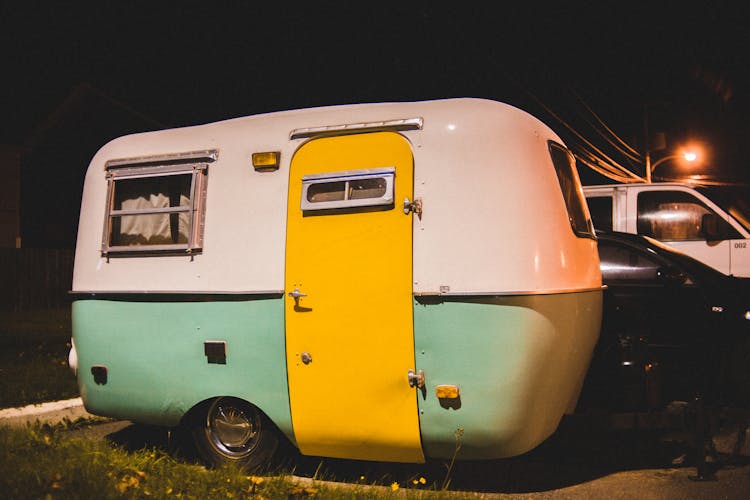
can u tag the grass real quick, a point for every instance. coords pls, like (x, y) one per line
(56, 462)
(34, 349)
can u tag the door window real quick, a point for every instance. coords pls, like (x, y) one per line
(601, 212)
(622, 264)
(677, 216)
(356, 188)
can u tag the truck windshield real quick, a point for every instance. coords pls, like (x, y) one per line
(735, 200)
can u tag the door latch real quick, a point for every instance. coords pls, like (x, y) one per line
(413, 206)
(416, 379)
(296, 295)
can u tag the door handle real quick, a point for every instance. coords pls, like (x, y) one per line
(296, 295)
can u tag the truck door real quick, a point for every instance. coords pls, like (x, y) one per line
(740, 259)
(349, 312)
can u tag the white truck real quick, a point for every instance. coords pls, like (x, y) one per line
(711, 224)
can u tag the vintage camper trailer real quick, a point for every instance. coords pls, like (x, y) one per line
(371, 281)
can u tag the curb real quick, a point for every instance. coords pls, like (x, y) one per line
(44, 413)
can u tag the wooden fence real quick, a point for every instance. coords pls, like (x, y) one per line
(35, 278)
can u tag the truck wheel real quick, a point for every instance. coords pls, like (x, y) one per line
(230, 430)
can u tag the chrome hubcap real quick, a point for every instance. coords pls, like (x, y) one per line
(232, 427)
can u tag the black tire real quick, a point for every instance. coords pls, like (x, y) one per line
(229, 430)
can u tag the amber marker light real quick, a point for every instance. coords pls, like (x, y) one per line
(267, 161)
(447, 392)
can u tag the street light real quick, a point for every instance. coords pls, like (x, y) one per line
(688, 156)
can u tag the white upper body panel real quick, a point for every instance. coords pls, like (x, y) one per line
(494, 219)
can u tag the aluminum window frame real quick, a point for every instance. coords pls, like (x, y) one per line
(194, 164)
(387, 199)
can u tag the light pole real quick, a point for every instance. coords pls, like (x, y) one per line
(688, 156)
(652, 142)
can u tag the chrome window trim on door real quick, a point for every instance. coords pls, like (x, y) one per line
(345, 183)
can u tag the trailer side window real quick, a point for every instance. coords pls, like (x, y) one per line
(575, 202)
(156, 205)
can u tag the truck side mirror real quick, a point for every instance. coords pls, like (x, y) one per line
(710, 227)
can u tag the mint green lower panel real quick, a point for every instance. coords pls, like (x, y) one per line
(155, 360)
(519, 363)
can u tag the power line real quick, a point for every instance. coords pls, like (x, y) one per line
(618, 143)
(599, 162)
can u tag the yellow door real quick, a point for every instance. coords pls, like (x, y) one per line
(349, 326)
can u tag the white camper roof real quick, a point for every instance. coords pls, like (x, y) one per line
(494, 219)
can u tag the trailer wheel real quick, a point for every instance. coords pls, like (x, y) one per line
(231, 430)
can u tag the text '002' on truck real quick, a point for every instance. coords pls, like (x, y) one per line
(709, 223)
(365, 281)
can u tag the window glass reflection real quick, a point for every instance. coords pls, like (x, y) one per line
(676, 216)
(623, 264)
(326, 191)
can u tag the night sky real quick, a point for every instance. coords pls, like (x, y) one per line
(184, 63)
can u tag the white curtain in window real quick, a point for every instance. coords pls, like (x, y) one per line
(152, 229)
